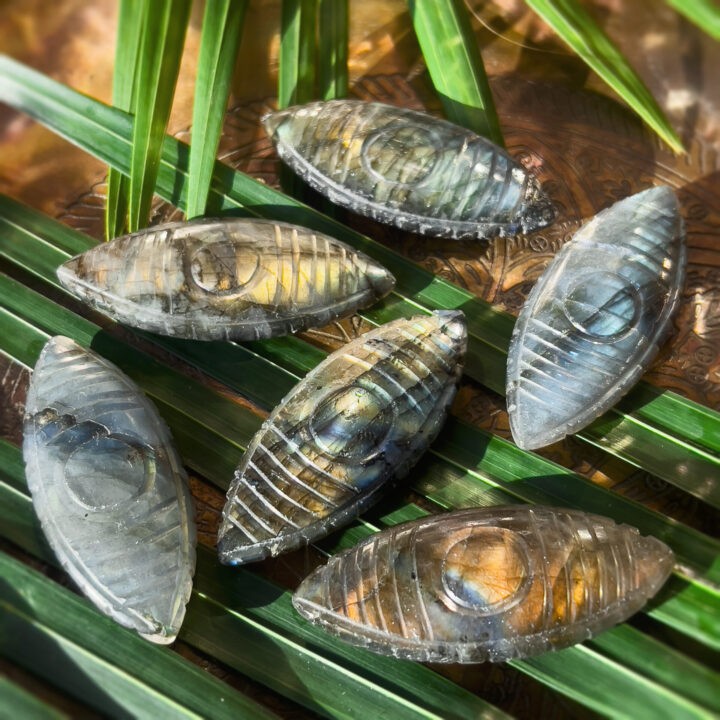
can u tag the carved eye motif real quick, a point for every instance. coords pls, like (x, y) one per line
(109, 489)
(383, 149)
(485, 584)
(352, 424)
(603, 306)
(127, 469)
(485, 572)
(220, 268)
(594, 321)
(360, 418)
(409, 169)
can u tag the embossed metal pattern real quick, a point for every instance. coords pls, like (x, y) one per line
(594, 321)
(360, 418)
(485, 584)
(230, 279)
(408, 169)
(109, 489)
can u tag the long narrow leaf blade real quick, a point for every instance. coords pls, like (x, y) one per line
(296, 79)
(333, 27)
(296, 75)
(575, 26)
(453, 59)
(704, 13)
(221, 32)
(126, 49)
(159, 54)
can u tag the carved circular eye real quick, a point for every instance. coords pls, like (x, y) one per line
(221, 268)
(353, 423)
(603, 305)
(486, 572)
(403, 155)
(106, 471)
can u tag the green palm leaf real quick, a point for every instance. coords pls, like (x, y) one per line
(24, 705)
(159, 53)
(296, 79)
(221, 30)
(455, 65)
(333, 48)
(128, 40)
(575, 26)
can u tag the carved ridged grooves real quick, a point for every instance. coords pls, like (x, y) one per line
(408, 169)
(362, 417)
(486, 584)
(109, 489)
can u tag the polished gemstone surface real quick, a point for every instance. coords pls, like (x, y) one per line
(109, 489)
(231, 279)
(485, 584)
(362, 417)
(595, 320)
(408, 169)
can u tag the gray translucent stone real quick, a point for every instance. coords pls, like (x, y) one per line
(594, 321)
(363, 416)
(485, 584)
(109, 489)
(231, 279)
(408, 169)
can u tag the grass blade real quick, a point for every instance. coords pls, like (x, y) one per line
(159, 53)
(221, 31)
(576, 27)
(126, 50)
(704, 13)
(106, 133)
(333, 27)
(455, 65)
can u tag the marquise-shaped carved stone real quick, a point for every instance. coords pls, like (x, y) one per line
(485, 584)
(231, 279)
(409, 169)
(360, 418)
(109, 489)
(594, 321)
